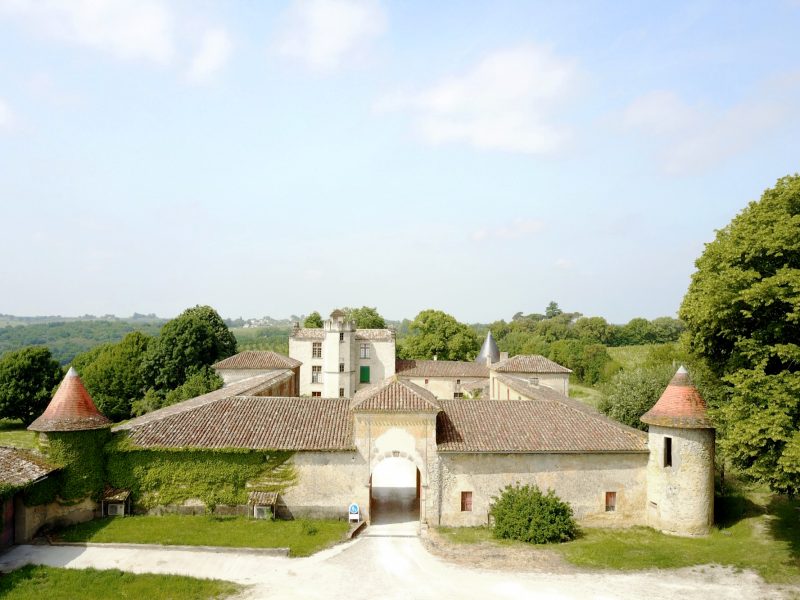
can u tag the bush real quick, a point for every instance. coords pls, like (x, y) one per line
(526, 514)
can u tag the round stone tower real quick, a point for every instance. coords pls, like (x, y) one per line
(680, 472)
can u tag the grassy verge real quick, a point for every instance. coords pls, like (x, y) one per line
(302, 537)
(631, 357)
(585, 394)
(764, 537)
(14, 434)
(36, 583)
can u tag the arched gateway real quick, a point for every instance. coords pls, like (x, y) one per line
(395, 431)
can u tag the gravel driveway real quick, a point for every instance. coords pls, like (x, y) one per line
(391, 562)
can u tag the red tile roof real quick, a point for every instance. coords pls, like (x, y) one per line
(395, 396)
(257, 359)
(18, 467)
(253, 422)
(71, 409)
(550, 423)
(679, 406)
(440, 368)
(533, 363)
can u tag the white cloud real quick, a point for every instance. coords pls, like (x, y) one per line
(507, 101)
(517, 229)
(128, 29)
(215, 50)
(329, 34)
(6, 116)
(694, 138)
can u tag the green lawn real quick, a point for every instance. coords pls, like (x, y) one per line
(585, 394)
(40, 583)
(13, 433)
(631, 357)
(302, 537)
(765, 538)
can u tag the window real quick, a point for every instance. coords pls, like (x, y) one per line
(667, 452)
(341, 337)
(316, 350)
(466, 501)
(316, 394)
(426, 382)
(458, 382)
(363, 375)
(364, 350)
(341, 392)
(534, 381)
(458, 395)
(341, 367)
(611, 501)
(316, 374)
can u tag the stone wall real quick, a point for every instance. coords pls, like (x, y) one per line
(28, 520)
(499, 391)
(680, 497)
(443, 387)
(580, 479)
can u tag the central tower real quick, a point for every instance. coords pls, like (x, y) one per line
(338, 353)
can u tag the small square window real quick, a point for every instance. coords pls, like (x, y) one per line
(667, 452)
(341, 367)
(426, 382)
(458, 395)
(316, 350)
(458, 382)
(341, 392)
(316, 394)
(466, 501)
(611, 501)
(341, 337)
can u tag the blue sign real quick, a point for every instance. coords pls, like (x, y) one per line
(353, 509)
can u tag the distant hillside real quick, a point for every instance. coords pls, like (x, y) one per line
(68, 338)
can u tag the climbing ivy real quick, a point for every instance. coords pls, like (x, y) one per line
(81, 457)
(164, 476)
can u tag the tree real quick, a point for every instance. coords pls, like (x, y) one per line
(631, 393)
(313, 321)
(552, 310)
(196, 338)
(115, 376)
(28, 379)
(592, 329)
(742, 315)
(435, 333)
(366, 317)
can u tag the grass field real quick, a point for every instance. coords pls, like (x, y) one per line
(755, 531)
(14, 434)
(38, 583)
(585, 394)
(302, 537)
(631, 357)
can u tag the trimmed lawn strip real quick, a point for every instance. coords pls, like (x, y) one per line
(14, 434)
(765, 539)
(35, 583)
(302, 537)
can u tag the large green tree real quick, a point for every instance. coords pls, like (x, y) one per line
(313, 321)
(742, 313)
(366, 317)
(435, 333)
(28, 379)
(196, 338)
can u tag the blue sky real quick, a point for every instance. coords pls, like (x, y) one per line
(482, 158)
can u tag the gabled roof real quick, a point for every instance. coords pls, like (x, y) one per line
(679, 406)
(19, 468)
(440, 368)
(394, 395)
(532, 363)
(71, 409)
(547, 423)
(257, 359)
(489, 350)
(253, 422)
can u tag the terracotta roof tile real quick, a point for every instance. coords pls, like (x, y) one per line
(532, 363)
(20, 467)
(395, 396)
(254, 422)
(257, 359)
(71, 409)
(679, 406)
(551, 423)
(440, 368)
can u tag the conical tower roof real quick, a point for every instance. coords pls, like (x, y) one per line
(679, 406)
(71, 409)
(488, 350)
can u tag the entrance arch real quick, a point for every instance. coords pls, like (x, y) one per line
(395, 490)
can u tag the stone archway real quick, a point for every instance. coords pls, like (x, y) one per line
(396, 492)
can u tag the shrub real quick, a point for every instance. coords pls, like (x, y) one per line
(526, 514)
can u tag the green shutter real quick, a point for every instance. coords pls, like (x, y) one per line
(364, 375)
